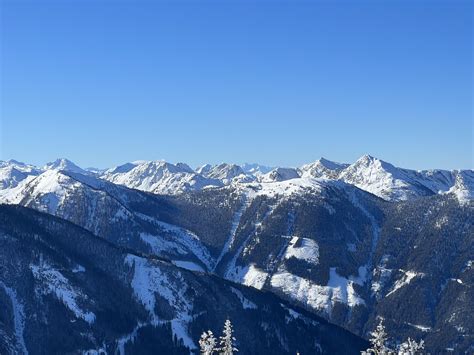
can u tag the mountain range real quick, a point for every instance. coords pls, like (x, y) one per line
(346, 244)
(367, 173)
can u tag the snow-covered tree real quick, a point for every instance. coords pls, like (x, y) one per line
(227, 340)
(378, 341)
(207, 343)
(411, 347)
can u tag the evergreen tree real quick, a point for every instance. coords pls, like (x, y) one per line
(411, 347)
(227, 340)
(378, 341)
(207, 343)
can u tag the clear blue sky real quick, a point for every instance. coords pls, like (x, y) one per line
(275, 82)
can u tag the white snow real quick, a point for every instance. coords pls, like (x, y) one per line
(149, 280)
(279, 174)
(380, 275)
(18, 319)
(423, 328)
(51, 281)
(178, 240)
(227, 173)
(405, 280)
(189, 265)
(322, 168)
(160, 177)
(463, 187)
(303, 249)
(233, 230)
(248, 275)
(322, 298)
(48, 191)
(284, 188)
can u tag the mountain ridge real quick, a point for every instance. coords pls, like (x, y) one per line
(160, 177)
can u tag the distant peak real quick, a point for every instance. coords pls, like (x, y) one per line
(63, 164)
(185, 167)
(13, 161)
(329, 164)
(367, 157)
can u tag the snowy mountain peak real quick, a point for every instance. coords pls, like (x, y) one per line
(225, 172)
(159, 177)
(124, 168)
(322, 168)
(64, 164)
(12, 172)
(204, 169)
(256, 169)
(331, 164)
(185, 167)
(280, 174)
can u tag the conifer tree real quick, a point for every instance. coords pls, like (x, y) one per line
(227, 340)
(378, 341)
(411, 347)
(207, 343)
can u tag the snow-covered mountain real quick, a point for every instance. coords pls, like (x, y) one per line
(66, 165)
(323, 168)
(256, 169)
(112, 212)
(227, 173)
(12, 172)
(395, 184)
(280, 174)
(159, 177)
(367, 173)
(383, 179)
(318, 237)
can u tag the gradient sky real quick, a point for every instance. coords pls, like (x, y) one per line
(275, 82)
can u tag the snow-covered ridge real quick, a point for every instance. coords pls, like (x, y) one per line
(160, 177)
(367, 173)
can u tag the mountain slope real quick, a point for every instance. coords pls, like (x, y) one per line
(13, 172)
(123, 216)
(60, 295)
(329, 247)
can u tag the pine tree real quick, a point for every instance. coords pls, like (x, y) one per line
(411, 347)
(227, 340)
(378, 341)
(207, 343)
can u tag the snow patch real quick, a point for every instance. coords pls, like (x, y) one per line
(405, 280)
(303, 249)
(53, 282)
(249, 275)
(18, 319)
(189, 265)
(148, 280)
(423, 328)
(233, 230)
(178, 240)
(323, 298)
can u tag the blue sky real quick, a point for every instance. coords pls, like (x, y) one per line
(275, 82)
